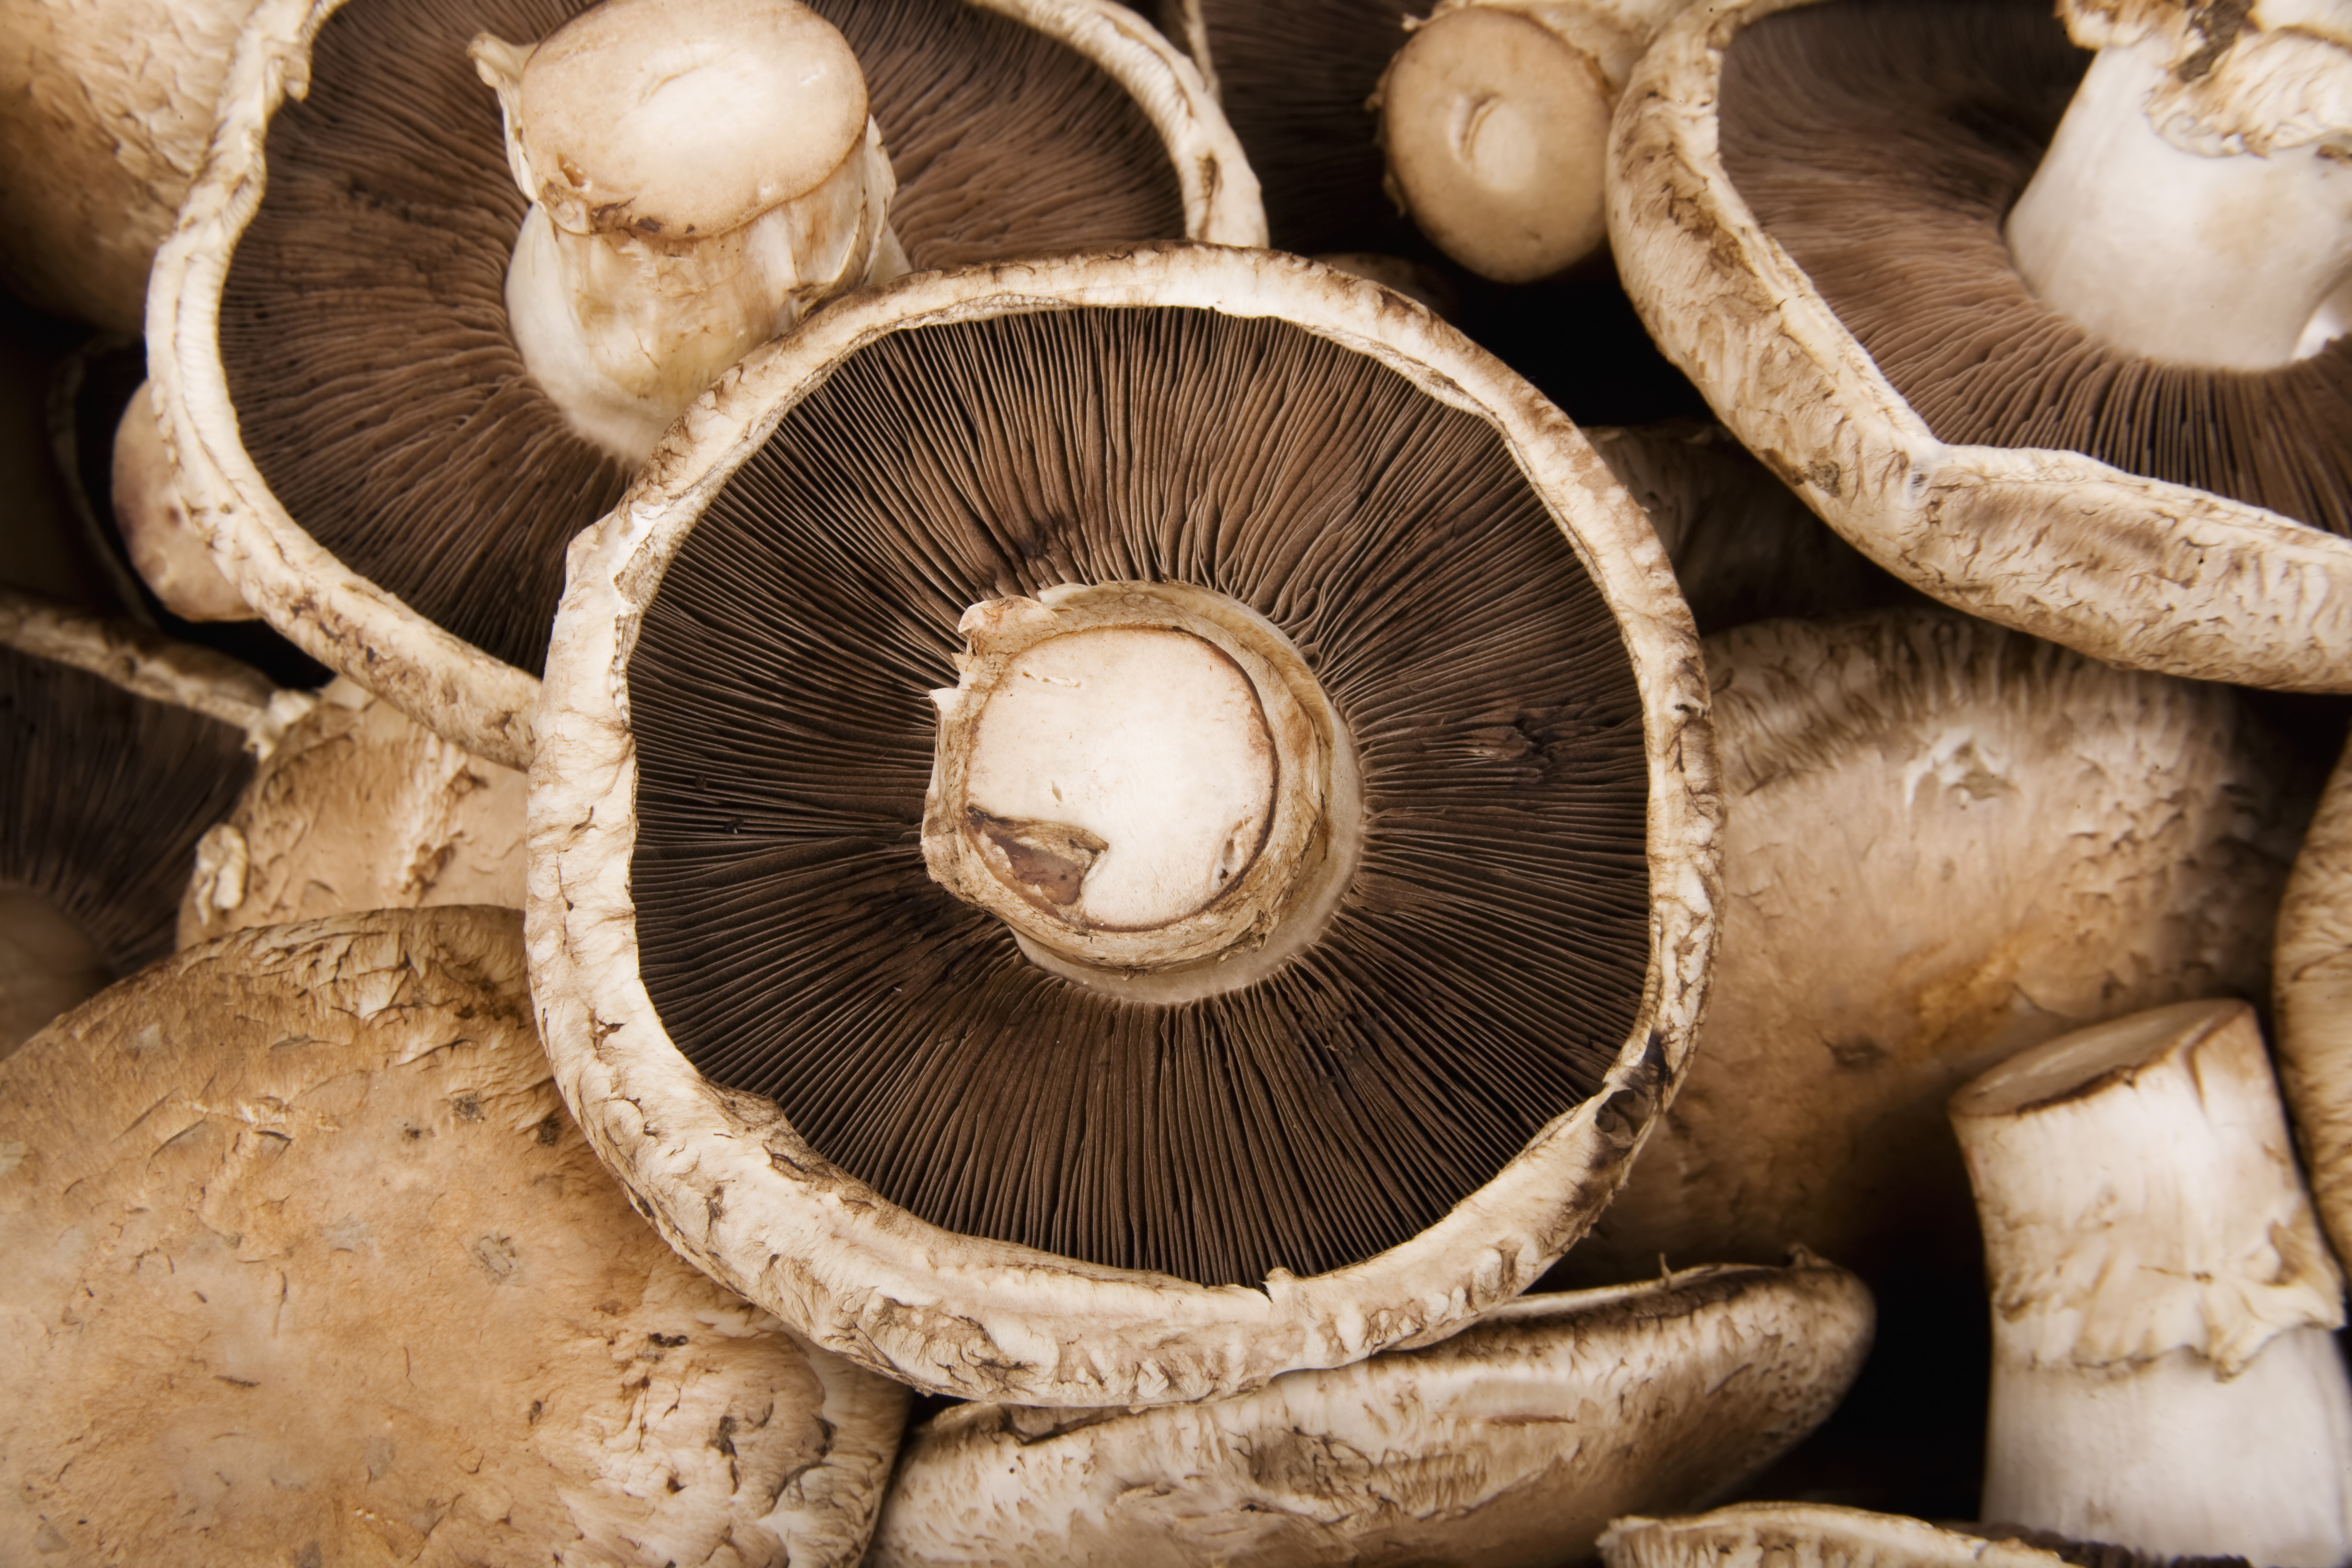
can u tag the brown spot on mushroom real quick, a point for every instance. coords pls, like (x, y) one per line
(1047, 860)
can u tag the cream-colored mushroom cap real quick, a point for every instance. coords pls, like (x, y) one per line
(1511, 1443)
(306, 1264)
(1818, 1535)
(727, 108)
(829, 767)
(2311, 985)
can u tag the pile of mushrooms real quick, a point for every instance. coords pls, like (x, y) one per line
(1148, 933)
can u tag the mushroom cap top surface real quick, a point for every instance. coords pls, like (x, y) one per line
(1949, 842)
(1084, 467)
(724, 108)
(1965, 445)
(345, 398)
(306, 1258)
(1823, 1535)
(1483, 1448)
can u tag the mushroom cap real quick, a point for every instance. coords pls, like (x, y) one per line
(118, 749)
(1821, 1535)
(307, 1264)
(745, 1192)
(763, 100)
(358, 808)
(1015, 126)
(2145, 573)
(2312, 995)
(1513, 1442)
(103, 138)
(1950, 842)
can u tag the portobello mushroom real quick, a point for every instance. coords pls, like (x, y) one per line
(942, 1031)
(1513, 1442)
(1817, 1535)
(2312, 1002)
(1808, 206)
(306, 1264)
(350, 254)
(121, 749)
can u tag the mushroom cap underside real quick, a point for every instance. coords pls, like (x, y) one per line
(2149, 573)
(1513, 1442)
(1268, 513)
(309, 1262)
(422, 553)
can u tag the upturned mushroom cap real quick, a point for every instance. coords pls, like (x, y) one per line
(307, 1264)
(2164, 1370)
(1044, 1191)
(422, 554)
(1512, 1442)
(358, 808)
(2029, 529)
(105, 108)
(120, 748)
(1821, 1535)
(1950, 843)
(2311, 992)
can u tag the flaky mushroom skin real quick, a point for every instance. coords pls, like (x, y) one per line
(1821, 1535)
(1512, 1443)
(362, 629)
(2312, 990)
(740, 1193)
(358, 808)
(307, 1265)
(2137, 572)
(147, 664)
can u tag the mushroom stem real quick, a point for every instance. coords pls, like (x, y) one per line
(1144, 780)
(2164, 1376)
(2196, 205)
(701, 175)
(1494, 117)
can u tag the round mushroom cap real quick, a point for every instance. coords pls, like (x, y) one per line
(851, 1092)
(679, 118)
(2311, 984)
(306, 1264)
(1882, 355)
(1821, 1535)
(1513, 1442)
(358, 808)
(1950, 842)
(349, 404)
(120, 749)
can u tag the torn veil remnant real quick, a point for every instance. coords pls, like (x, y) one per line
(307, 1264)
(1890, 357)
(1273, 948)
(120, 749)
(370, 440)
(2160, 1290)
(1482, 1449)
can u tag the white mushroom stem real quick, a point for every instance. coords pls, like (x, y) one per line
(2196, 205)
(1146, 783)
(2164, 1373)
(1494, 116)
(172, 558)
(701, 175)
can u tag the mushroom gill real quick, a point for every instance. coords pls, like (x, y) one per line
(1484, 964)
(1883, 142)
(362, 322)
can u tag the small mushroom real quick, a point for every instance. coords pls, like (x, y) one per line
(1821, 1535)
(2312, 996)
(2165, 1373)
(375, 399)
(1495, 118)
(358, 808)
(120, 749)
(1889, 356)
(1513, 1442)
(308, 1265)
(1270, 949)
